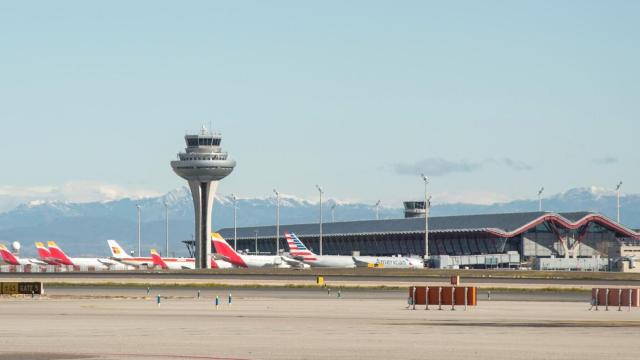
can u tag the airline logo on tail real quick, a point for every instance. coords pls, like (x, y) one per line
(226, 251)
(45, 255)
(8, 256)
(58, 254)
(116, 250)
(157, 260)
(297, 248)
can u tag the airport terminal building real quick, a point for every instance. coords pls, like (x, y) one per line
(516, 237)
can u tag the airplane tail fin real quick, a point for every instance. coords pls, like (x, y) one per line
(296, 247)
(8, 256)
(58, 254)
(226, 251)
(45, 255)
(157, 260)
(116, 250)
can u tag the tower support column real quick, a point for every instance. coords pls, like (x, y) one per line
(203, 197)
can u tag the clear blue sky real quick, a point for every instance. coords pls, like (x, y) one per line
(491, 98)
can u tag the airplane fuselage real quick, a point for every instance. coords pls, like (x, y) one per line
(331, 261)
(388, 262)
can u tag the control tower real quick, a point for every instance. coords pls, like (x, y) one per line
(203, 164)
(414, 209)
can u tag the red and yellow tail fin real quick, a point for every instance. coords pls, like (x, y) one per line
(7, 256)
(58, 254)
(157, 259)
(226, 251)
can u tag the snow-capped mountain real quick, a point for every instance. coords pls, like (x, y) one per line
(84, 227)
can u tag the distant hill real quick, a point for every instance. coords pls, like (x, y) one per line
(82, 228)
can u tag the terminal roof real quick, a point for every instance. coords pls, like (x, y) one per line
(501, 225)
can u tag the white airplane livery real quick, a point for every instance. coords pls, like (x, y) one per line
(225, 252)
(183, 263)
(120, 255)
(300, 252)
(9, 258)
(171, 264)
(390, 262)
(63, 259)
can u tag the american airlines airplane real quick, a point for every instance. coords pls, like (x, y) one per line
(11, 259)
(226, 253)
(183, 263)
(389, 262)
(62, 258)
(300, 252)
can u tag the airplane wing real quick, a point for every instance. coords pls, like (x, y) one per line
(221, 257)
(107, 262)
(292, 261)
(51, 260)
(38, 262)
(360, 262)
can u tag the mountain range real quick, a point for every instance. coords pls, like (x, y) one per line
(82, 228)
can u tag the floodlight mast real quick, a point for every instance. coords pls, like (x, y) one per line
(277, 221)
(540, 198)
(426, 218)
(138, 207)
(321, 193)
(618, 201)
(235, 221)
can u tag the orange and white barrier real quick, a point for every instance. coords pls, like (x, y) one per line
(443, 295)
(627, 297)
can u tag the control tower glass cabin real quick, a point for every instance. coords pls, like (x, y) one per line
(413, 209)
(203, 164)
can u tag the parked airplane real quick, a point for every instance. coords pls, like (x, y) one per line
(399, 262)
(173, 264)
(300, 252)
(118, 254)
(45, 255)
(225, 252)
(11, 259)
(183, 263)
(60, 256)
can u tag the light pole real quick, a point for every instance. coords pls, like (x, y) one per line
(139, 230)
(166, 228)
(333, 213)
(426, 218)
(235, 221)
(378, 210)
(256, 242)
(321, 192)
(540, 198)
(277, 221)
(618, 201)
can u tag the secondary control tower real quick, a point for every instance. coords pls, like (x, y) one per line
(203, 164)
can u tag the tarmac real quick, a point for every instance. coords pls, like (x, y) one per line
(372, 279)
(126, 323)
